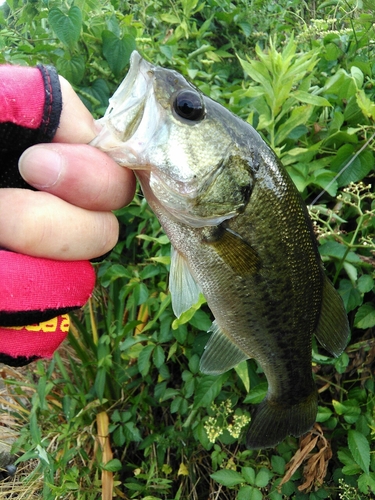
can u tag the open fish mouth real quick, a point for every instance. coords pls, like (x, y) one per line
(123, 118)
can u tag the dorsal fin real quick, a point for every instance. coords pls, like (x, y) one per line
(333, 327)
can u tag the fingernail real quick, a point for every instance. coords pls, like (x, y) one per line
(40, 166)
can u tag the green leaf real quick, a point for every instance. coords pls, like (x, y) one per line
(249, 493)
(308, 98)
(170, 18)
(227, 477)
(366, 105)
(257, 394)
(158, 356)
(349, 409)
(208, 389)
(298, 117)
(113, 465)
(73, 69)
(365, 283)
(66, 26)
(187, 315)
(366, 482)
(360, 449)
(100, 382)
(365, 316)
(131, 432)
(350, 295)
(117, 50)
(248, 474)
(243, 373)
(263, 477)
(144, 363)
(356, 167)
(278, 464)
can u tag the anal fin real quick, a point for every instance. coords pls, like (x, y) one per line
(221, 354)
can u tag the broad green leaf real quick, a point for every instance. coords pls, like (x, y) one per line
(308, 98)
(323, 414)
(365, 104)
(263, 477)
(353, 168)
(298, 117)
(366, 482)
(257, 73)
(208, 389)
(249, 493)
(360, 449)
(351, 271)
(365, 283)
(131, 432)
(113, 465)
(338, 251)
(278, 464)
(117, 50)
(187, 315)
(341, 84)
(351, 470)
(257, 394)
(144, 363)
(243, 373)
(170, 18)
(73, 69)
(348, 409)
(358, 76)
(100, 382)
(345, 457)
(350, 295)
(365, 316)
(248, 474)
(227, 477)
(158, 356)
(66, 26)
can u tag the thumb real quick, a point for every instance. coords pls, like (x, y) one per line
(76, 122)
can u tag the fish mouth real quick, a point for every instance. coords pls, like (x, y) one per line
(123, 117)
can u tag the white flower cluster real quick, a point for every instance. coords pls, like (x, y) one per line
(216, 425)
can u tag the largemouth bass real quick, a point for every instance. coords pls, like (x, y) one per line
(240, 234)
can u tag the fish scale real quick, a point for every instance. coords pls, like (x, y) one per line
(240, 234)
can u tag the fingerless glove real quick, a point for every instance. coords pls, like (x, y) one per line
(35, 294)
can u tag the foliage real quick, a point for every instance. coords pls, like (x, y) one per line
(123, 407)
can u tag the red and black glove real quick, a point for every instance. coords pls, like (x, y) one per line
(35, 293)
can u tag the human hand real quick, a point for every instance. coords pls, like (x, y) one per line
(69, 217)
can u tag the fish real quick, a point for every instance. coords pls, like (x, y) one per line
(240, 234)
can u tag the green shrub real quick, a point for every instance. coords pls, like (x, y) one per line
(305, 80)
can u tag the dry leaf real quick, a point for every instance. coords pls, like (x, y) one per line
(316, 465)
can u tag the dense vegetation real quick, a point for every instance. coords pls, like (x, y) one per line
(303, 73)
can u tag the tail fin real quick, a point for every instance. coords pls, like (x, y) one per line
(273, 422)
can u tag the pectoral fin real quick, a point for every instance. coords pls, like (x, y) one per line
(221, 354)
(237, 253)
(333, 327)
(184, 289)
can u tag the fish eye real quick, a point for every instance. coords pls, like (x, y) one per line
(188, 105)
